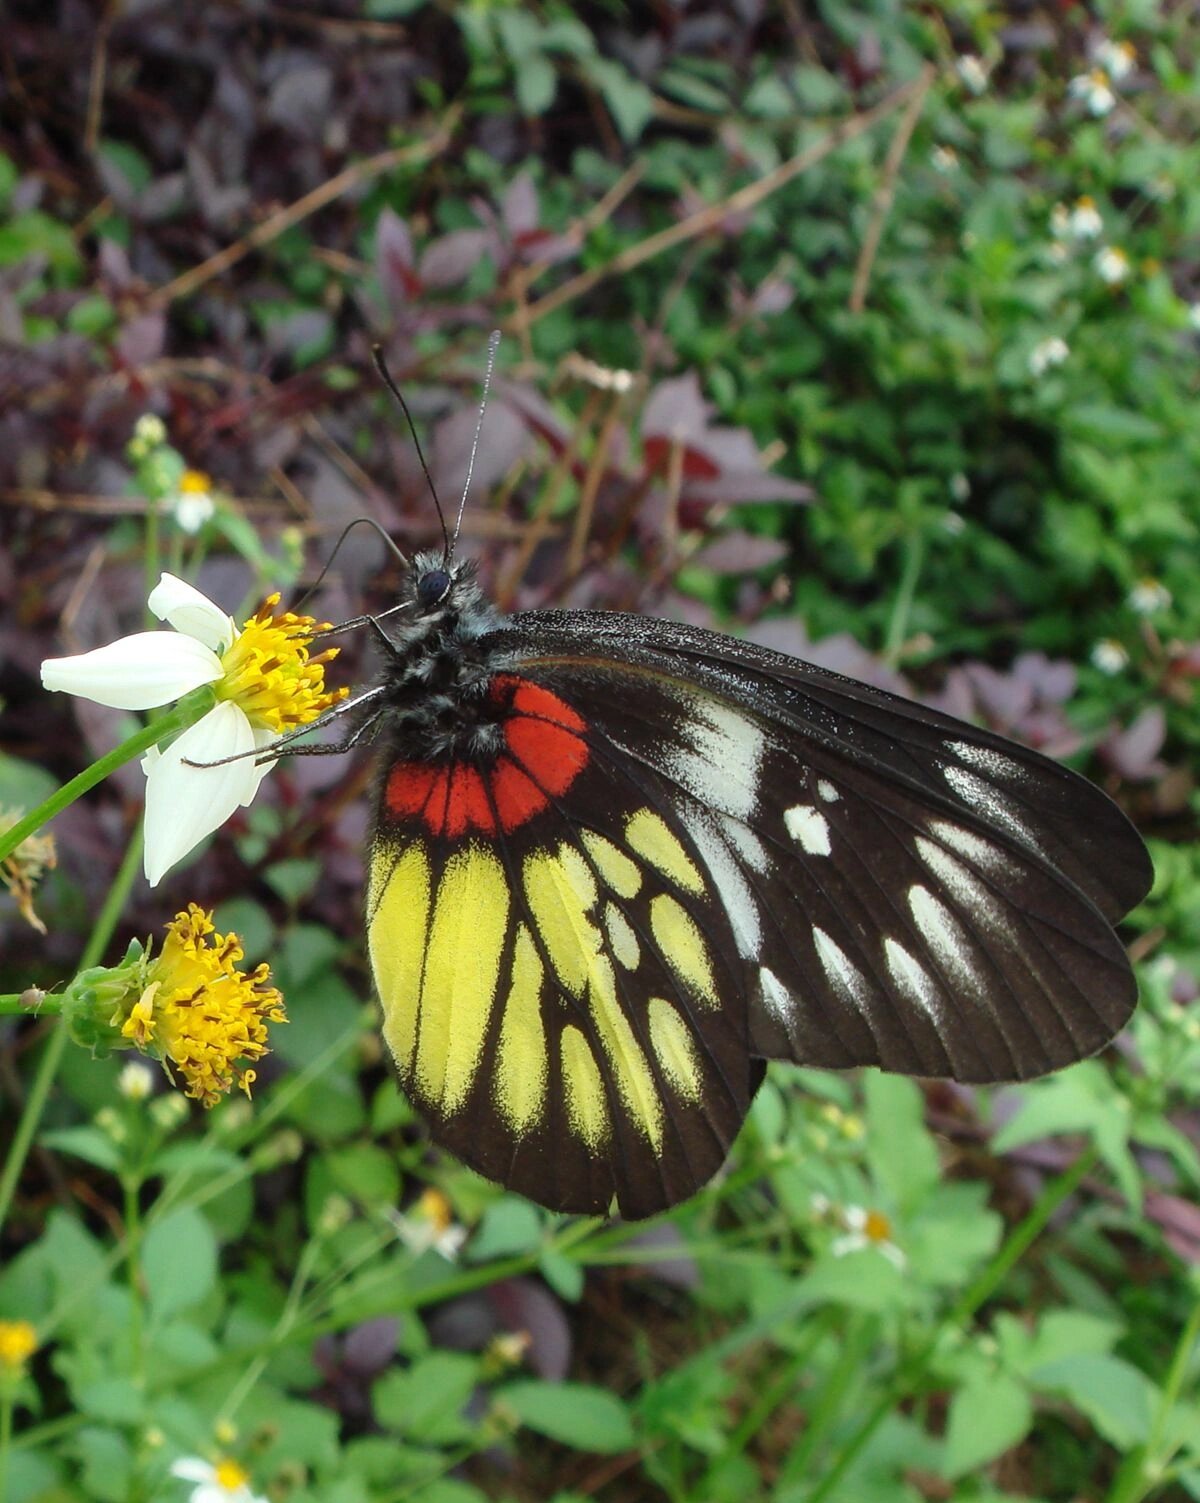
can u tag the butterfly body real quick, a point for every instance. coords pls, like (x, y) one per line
(618, 863)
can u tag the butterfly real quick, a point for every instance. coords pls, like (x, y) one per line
(618, 863)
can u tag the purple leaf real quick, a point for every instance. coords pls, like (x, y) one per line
(519, 210)
(300, 99)
(669, 1260)
(141, 340)
(525, 1306)
(675, 410)
(394, 264)
(1133, 753)
(740, 553)
(504, 440)
(453, 258)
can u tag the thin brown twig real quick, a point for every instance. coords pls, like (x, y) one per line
(886, 192)
(710, 217)
(325, 193)
(95, 103)
(591, 484)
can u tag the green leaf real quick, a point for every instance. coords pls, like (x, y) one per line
(900, 1150)
(366, 1173)
(107, 1463)
(537, 84)
(563, 1274)
(179, 1261)
(425, 1402)
(86, 1143)
(509, 1226)
(574, 1414)
(863, 1280)
(987, 1417)
(1118, 1398)
(629, 101)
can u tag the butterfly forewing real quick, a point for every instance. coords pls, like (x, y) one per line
(693, 854)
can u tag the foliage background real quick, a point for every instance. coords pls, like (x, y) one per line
(848, 433)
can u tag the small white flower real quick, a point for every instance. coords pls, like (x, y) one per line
(136, 1081)
(1060, 221)
(866, 1229)
(192, 505)
(1148, 597)
(1094, 90)
(944, 159)
(1084, 222)
(971, 72)
(1046, 354)
(1112, 265)
(1193, 316)
(1109, 656)
(960, 487)
(226, 1482)
(1057, 252)
(266, 683)
(1117, 59)
(430, 1225)
(150, 430)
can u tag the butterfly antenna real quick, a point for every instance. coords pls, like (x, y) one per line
(385, 376)
(493, 346)
(345, 533)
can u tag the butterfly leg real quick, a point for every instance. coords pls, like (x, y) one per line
(283, 747)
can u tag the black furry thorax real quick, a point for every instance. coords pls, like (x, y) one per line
(441, 662)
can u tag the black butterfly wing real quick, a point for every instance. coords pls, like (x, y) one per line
(700, 854)
(903, 889)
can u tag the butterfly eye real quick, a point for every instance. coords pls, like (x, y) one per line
(433, 587)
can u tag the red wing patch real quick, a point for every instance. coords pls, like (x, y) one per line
(544, 752)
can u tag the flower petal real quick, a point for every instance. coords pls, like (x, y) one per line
(191, 612)
(141, 672)
(186, 804)
(193, 1469)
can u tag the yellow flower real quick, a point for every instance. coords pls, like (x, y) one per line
(200, 1014)
(18, 1342)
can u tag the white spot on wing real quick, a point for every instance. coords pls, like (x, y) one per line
(721, 767)
(729, 880)
(846, 979)
(745, 842)
(964, 886)
(987, 857)
(984, 796)
(912, 979)
(775, 994)
(827, 791)
(985, 759)
(944, 936)
(810, 827)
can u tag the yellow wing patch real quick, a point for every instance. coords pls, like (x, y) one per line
(457, 966)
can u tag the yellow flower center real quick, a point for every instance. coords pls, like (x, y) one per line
(200, 1012)
(435, 1208)
(194, 483)
(877, 1227)
(230, 1476)
(18, 1342)
(269, 673)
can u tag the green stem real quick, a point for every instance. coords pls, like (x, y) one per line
(131, 1185)
(191, 708)
(976, 1294)
(1148, 1471)
(35, 1103)
(14, 1005)
(6, 1414)
(914, 559)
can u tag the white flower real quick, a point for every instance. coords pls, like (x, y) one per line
(1084, 222)
(1094, 90)
(266, 684)
(867, 1229)
(192, 505)
(1046, 354)
(136, 1081)
(971, 72)
(1193, 316)
(1112, 265)
(944, 159)
(226, 1482)
(1109, 656)
(1149, 596)
(1116, 58)
(430, 1225)
(960, 487)
(1060, 221)
(150, 430)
